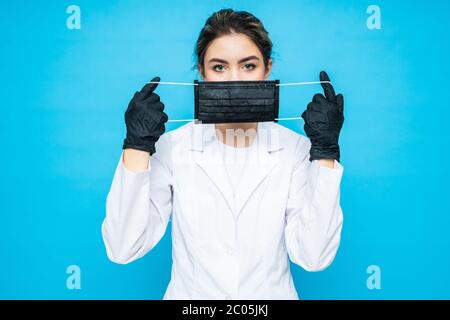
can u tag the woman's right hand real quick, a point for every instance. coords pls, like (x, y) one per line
(145, 119)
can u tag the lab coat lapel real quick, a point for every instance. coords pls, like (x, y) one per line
(259, 166)
(210, 160)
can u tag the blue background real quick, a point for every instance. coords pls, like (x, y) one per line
(64, 92)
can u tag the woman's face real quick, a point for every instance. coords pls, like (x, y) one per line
(234, 57)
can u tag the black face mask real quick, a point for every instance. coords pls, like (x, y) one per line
(236, 101)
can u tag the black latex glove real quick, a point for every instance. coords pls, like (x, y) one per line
(323, 118)
(145, 119)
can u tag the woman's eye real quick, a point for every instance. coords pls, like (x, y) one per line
(249, 66)
(218, 67)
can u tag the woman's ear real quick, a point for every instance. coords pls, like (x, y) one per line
(268, 69)
(200, 70)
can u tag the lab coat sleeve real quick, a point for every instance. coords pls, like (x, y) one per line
(313, 214)
(138, 207)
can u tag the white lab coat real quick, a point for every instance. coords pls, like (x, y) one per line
(223, 247)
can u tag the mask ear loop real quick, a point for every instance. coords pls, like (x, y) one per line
(279, 84)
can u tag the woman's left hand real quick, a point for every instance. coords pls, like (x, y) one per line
(323, 118)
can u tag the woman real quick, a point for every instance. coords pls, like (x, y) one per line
(240, 206)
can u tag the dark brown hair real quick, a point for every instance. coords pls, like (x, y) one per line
(226, 21)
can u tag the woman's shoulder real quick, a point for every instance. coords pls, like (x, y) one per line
(289, 136)
(177, 137)
(180, 133)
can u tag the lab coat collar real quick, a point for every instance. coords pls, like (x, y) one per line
(202, 134)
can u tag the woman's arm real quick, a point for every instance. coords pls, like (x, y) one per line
(136, 160)
(138, 205)
(139, 202)
(313, 214)
(327, 163)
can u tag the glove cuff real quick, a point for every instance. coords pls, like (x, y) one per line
(147, 146)
(317, 153)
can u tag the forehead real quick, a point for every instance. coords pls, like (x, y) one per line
(232, 47)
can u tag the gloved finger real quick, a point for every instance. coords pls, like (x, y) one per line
(153, 98)
(304, 115)
(164, 117)
(340, 102)
(327, 87)
(158, 106)
(152, 108)
(312, 106)
(148, 89)
(318, 98)
(316, 117)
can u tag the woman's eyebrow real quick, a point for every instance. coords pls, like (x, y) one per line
(248, 58)
(240, 61)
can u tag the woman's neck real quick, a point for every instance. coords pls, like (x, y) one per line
(239, 135)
